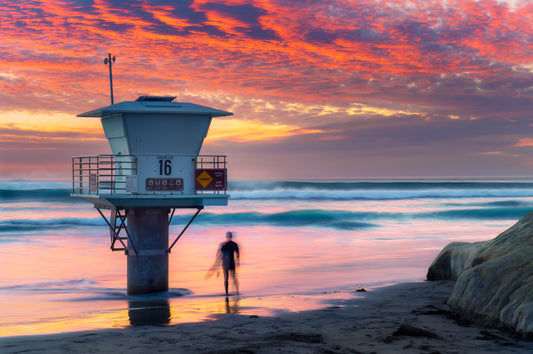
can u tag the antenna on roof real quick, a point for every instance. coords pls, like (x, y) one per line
(109, 60)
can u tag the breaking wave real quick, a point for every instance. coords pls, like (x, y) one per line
(377, 190)
(467, 200)
(315, 191)
(334, 219)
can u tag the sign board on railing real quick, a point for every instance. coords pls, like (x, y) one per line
(164, 184)
(210, 179)
(131, 184)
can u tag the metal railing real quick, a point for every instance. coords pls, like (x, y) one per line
(115, 174)
(211, 162)
(102, 174)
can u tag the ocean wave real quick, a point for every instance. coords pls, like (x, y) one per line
(341, 220)
(332, 219)
(498, 203)
(64, 285)
(37, 195)
(352, 220)
(379, 190)
(376, 195)
(382, 185)
(479, 214)
(322, 191)
(35, 225)
(91, 290)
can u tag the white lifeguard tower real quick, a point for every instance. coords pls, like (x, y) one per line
(154, 169)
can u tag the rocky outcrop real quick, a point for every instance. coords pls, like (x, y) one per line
(455, 258)
(494, 279)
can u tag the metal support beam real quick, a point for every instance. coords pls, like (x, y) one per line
(116, 230)
(185, 228)
(123, 225)
(171, 216)
(115, 235)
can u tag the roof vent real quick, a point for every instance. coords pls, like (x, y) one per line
(156, 98)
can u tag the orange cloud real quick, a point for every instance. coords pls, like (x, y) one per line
(524, 142)
(24, 139)
(43, 121)
(316, 52)
(294, 67)
(249, 131)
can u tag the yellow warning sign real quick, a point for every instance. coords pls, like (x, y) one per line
(204, 179)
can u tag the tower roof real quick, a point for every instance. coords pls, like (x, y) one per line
(155, 104)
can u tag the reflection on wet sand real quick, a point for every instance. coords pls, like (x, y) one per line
(149, 312)
(233, 305)
(158, 311)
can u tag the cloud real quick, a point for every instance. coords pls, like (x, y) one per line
(239, 130)
(335, 75)
(342, 51)
(524, 142)
(24, 139)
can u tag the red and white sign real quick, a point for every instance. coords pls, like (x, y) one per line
(210, 179)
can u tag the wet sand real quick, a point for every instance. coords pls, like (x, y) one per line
(406, 318)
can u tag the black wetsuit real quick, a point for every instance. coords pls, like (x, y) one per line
(228, 250)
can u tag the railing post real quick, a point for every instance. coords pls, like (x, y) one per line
(80, 169)
(112, 173)
(97, 176)
(101, 173)
(73, 175)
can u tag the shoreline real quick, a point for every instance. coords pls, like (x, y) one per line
(406, 317)
(117, 310)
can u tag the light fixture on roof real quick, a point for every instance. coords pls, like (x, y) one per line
(156, 98)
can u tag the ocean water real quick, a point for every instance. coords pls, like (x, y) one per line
(303, 245)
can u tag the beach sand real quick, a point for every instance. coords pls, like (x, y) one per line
(404, 318)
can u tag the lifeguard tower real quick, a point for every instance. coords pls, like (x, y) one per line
(154, 169)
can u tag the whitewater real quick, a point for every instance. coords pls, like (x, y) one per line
(304, 244)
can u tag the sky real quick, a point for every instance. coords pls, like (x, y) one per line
(318, 89)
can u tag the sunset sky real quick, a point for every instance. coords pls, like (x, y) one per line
(318, 89)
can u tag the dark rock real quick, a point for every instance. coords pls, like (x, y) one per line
(407, 330)
(299, 337)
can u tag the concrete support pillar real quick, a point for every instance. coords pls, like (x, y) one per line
(148, 269)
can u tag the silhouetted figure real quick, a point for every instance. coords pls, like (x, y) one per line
(227, 252)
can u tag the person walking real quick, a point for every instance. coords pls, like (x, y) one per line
(229, 254)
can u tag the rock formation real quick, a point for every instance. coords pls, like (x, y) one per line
(494, 279)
